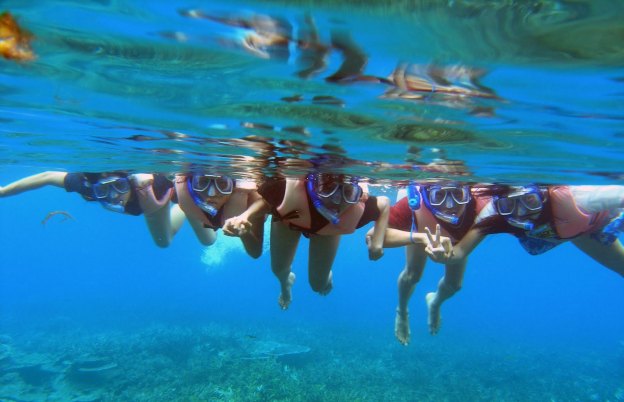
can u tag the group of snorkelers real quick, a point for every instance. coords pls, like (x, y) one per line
(438, 219)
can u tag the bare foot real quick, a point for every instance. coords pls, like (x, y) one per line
(285, 297)
(401, 327)
(433, 319)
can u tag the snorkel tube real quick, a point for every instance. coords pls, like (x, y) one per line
(113, 207)
(446, 217)
(207, 208)
(318, 204)
(413, 196)
(521, 224)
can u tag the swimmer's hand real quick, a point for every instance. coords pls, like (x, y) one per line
(375, 252)
(236, 226)
(439, 248)
(141, 180)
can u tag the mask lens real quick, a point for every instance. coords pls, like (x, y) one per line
(351, 193)
(326, 186)
(506, 205)
(436, 196)
(224, 184)
(461, 195)
(200, 182)
(101, 190)
(121, 185)
(531, 201)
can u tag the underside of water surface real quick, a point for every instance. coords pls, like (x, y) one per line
(475, 90)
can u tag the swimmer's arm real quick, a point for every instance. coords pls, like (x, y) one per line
(34, 182)
(376, 243)
(466, 245)
(241, 224)
(149, 203)
(399, 238)
(253, 238)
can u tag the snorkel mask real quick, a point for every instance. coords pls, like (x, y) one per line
(334, 191)
(209, 186)
(437, 196)
(109, 192)
(518, 207)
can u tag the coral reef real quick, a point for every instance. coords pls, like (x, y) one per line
(217, 362)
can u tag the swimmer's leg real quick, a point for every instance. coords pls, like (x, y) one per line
(160, 226)
(450, 284)
(284, 243)
(206, 236)
(415, 259)
(177, 218)
(323, 251)
(610, 256)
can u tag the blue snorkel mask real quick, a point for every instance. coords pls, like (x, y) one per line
(210, 185)
(333, 191)
(438, 195)
(109, 192)
(519, 207)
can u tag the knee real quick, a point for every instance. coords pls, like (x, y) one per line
(162, 242)
(318, 285)
(207, 241)
(410, 276)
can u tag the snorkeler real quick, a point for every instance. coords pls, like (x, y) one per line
(138, 194)
(448, 207)
(208, 200)
(322, 207)
(542, 217)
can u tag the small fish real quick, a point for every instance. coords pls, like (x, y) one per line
(66, 215)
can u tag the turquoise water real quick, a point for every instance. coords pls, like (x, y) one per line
(90, 309)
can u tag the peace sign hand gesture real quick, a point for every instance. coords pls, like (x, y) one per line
(439, 248)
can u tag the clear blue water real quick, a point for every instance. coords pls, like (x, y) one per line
(178, 325)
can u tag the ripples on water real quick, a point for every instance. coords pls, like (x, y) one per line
(123, 85)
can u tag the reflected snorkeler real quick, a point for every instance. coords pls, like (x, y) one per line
(455, 86)
(262, 35)
(138, 194)
(322, 207)
(272, 37)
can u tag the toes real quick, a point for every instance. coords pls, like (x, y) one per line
(283, 303)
